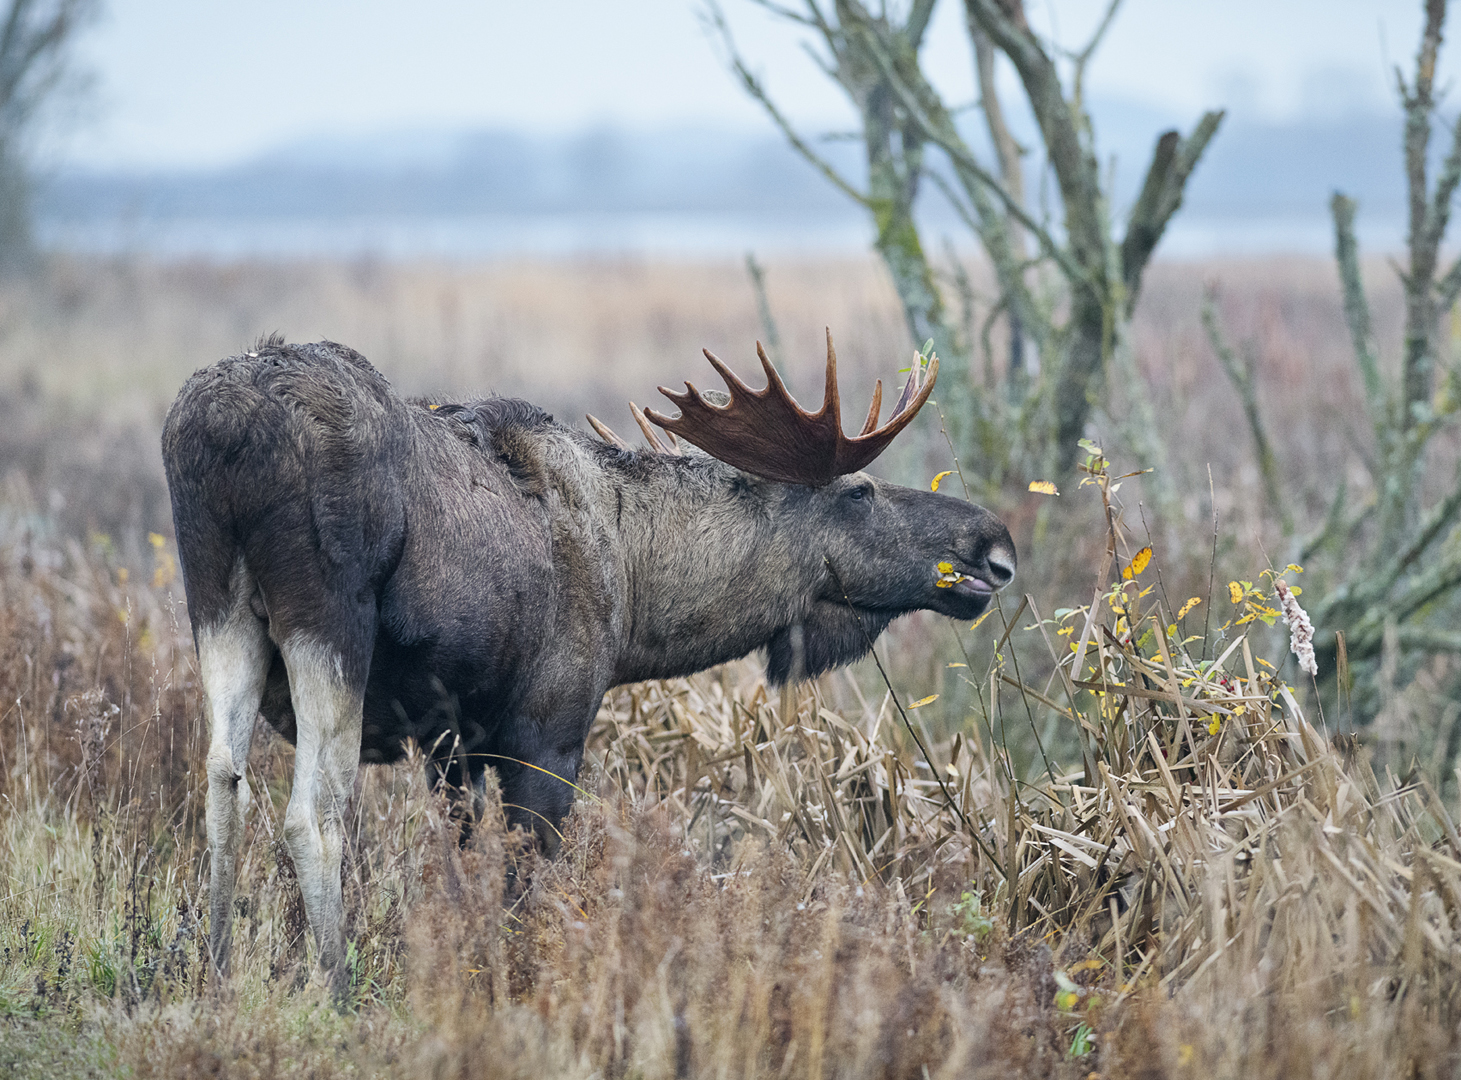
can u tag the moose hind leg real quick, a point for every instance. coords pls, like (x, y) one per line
(328, 703)
(233, 657)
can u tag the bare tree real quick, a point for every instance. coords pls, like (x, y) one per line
(1387, 565)
(874, 56)
(35, 55)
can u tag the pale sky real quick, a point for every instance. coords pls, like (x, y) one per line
(204, 82)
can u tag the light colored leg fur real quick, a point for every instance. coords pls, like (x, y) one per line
(234, 660)
(327, 713)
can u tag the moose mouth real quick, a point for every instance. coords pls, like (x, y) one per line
(963, 594)
(973, 587)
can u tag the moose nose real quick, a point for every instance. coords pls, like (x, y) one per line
(1001, 563)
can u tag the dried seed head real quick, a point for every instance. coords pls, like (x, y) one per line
(1301, 630)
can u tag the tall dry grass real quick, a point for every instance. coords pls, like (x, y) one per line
(752, 885)
(91, 353)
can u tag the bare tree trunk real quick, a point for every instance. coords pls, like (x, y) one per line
(1011, 175)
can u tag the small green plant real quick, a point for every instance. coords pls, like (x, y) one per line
(101, 968)
(1082, 1043)
(973, 921)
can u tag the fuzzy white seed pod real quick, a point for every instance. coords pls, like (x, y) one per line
(1301, 630)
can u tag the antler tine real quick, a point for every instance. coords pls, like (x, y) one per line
(768, 434)
(654, 443)
(774, 386)
(873, 409)
(855, 454)
(732, 381)
(605, 432)
(831, 399)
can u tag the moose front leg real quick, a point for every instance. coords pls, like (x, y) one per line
(537, 766)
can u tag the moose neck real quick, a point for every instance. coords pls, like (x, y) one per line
(717, 565)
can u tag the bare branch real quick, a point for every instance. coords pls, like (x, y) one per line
(1083, 57)
(1243, 378)
(1426, 224)
(785, 13)
(938, 127)
(763, 306)
(917, 23)
(1161, 196)
(1005, 146)
(1448, 288)
(756, 90)
(1356, 307)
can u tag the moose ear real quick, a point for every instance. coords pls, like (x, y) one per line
(830, 636)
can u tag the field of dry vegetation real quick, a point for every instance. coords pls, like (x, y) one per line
(1127, 838)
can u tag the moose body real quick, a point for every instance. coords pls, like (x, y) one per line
(367, 571)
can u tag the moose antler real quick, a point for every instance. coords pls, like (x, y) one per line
(766, 433)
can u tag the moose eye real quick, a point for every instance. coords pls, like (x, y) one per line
(858, 494)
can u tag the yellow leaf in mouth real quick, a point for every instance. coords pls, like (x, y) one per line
(921, 702)
(937, 480)
(1139, 562)
(1043, 487)
(945, 567)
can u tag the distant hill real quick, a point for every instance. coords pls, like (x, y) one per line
(1261, 187)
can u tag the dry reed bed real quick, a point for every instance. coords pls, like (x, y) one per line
(751, 885)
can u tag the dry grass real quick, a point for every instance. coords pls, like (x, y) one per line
(1177, 876)
(749, 887)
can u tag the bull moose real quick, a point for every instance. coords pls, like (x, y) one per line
(366, 571)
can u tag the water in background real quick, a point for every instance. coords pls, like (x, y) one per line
(1262, 189)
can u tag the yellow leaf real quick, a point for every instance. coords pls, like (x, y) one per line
(1235, 592)
(156, 539)
(945, 567)
(921, 702)
(1139, 562)
(1296, 568)
(939, 479)
(952, 770)
(1239, 710)
(1214, 726)
(1296, 590)
(958, 665)
(1265, 663)
(1043, 487)
(1189, 606)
